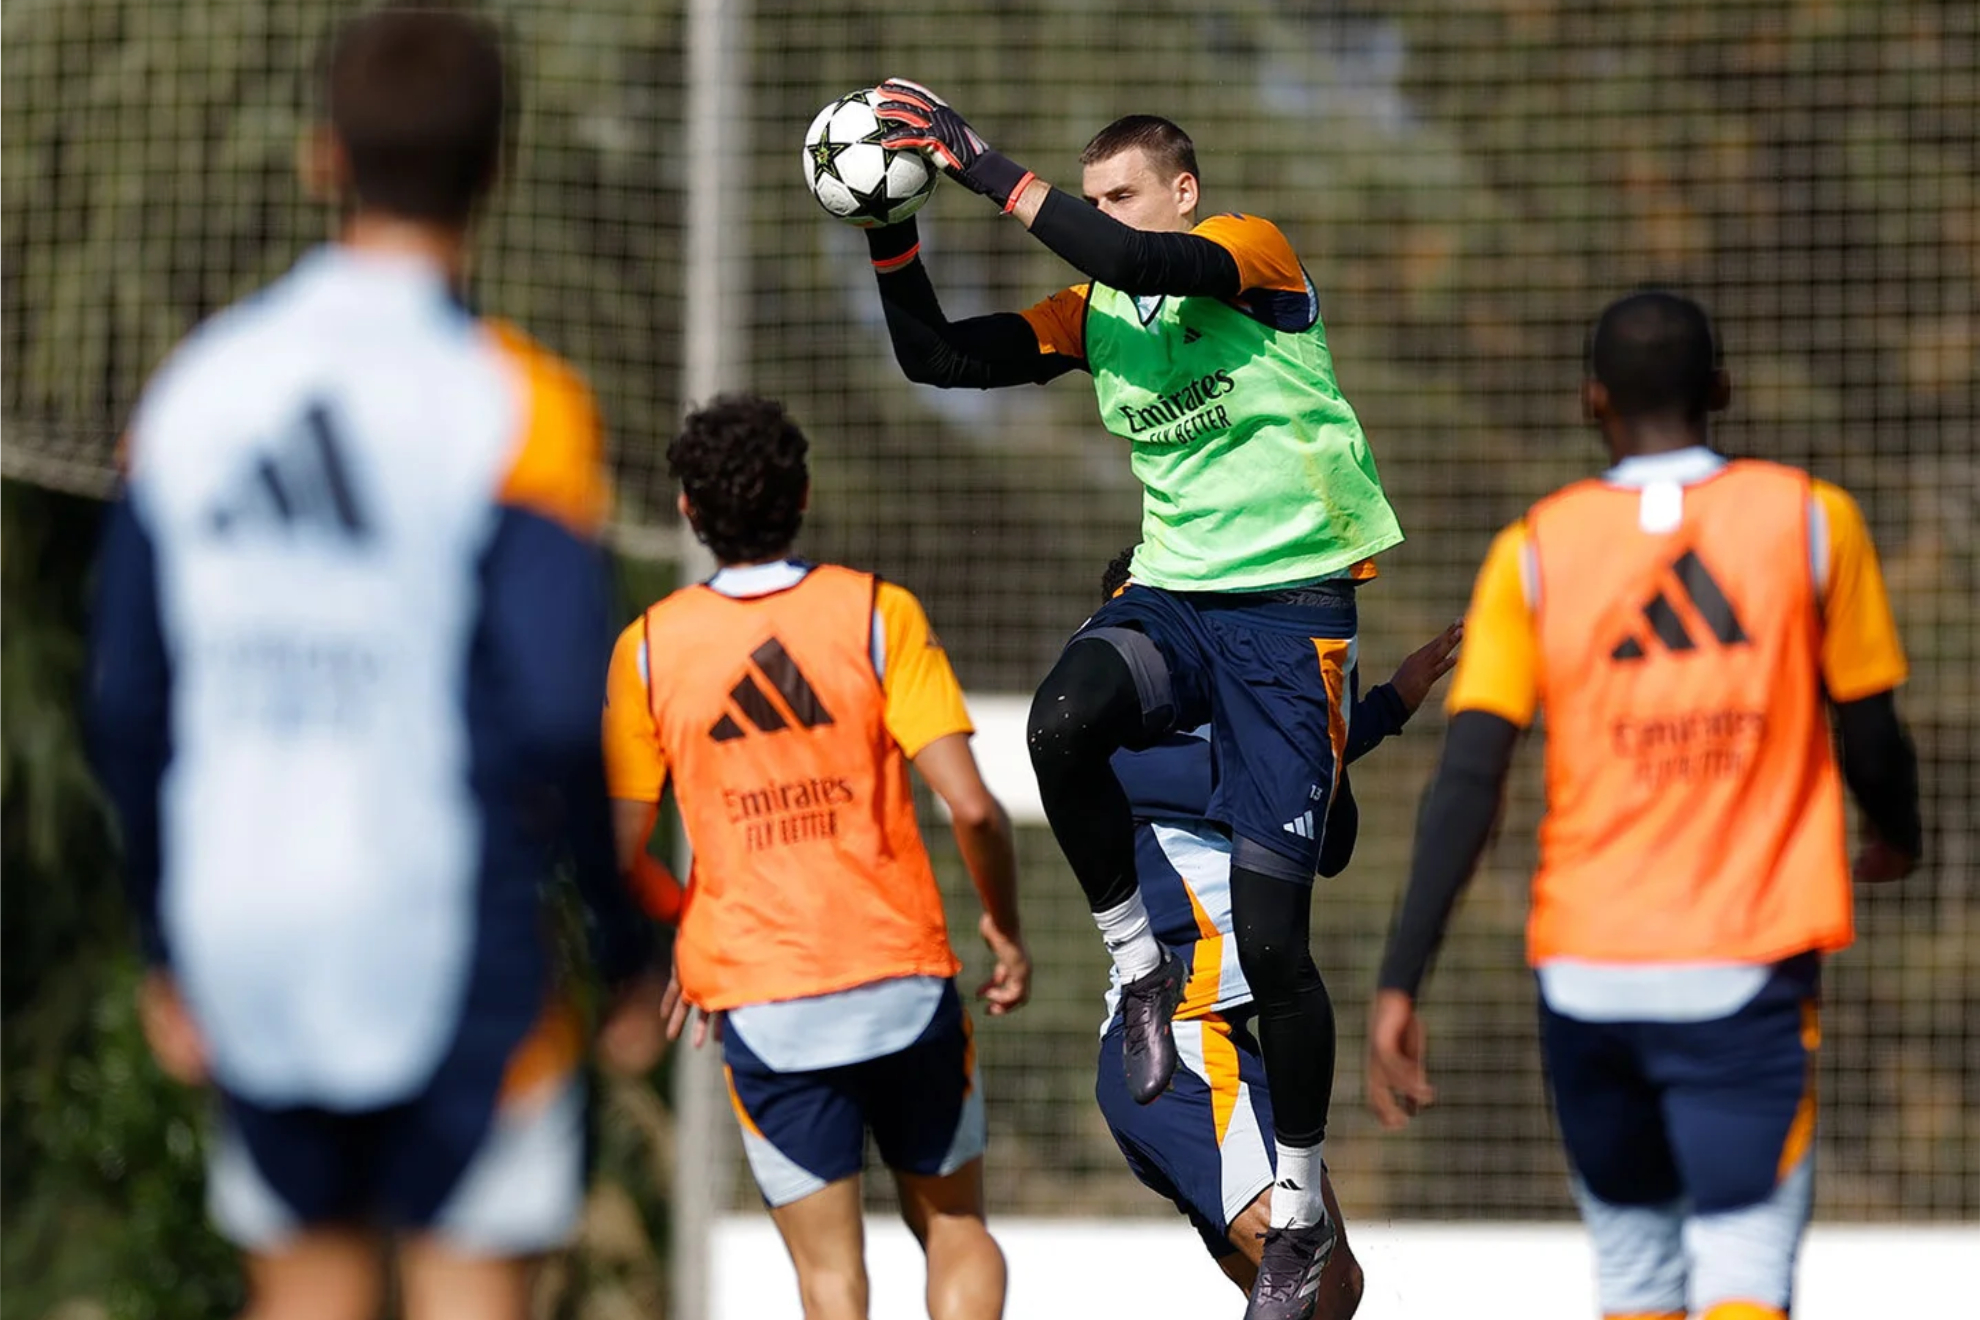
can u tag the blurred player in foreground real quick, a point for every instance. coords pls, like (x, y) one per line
(349, 640)
(1262, 511)
(1202, 1143)
(1687, 625)
(787, 700)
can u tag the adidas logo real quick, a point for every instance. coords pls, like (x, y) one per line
(1668, 626)
(303, 483)
(772, 663)
(1191, 334)
(1302, 825)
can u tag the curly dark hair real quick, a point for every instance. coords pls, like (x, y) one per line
(741, 461)
(1116, 574)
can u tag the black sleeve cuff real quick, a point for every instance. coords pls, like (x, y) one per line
(893, 246)
(997, 177)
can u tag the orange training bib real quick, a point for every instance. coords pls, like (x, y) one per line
(1694, 808)
(809, 873)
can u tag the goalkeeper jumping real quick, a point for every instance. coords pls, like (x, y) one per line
(1262, 511)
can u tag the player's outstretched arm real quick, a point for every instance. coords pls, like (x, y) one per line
(981, 352)
(1100, 247)
(983, 836)
(1386, 708)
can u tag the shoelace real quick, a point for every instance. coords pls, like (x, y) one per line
(1297, 1281)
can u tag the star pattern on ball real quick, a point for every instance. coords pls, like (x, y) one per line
(874, 204)
(825, 154)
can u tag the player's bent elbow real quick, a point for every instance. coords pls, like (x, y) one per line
(939, 372)
(977, 813)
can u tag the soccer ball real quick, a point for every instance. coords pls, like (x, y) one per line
(853, 176)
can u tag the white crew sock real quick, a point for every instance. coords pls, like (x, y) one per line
(1125, 929)
(1297, 1201)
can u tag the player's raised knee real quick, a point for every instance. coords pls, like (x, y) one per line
(1084, 710)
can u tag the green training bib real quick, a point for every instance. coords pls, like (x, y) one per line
(1254, 470)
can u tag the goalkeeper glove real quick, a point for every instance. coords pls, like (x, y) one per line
(915, 119)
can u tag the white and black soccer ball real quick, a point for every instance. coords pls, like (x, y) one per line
(853, 176)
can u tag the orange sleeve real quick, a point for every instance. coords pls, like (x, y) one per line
(1498, 669)
(1060, 322)
(1264, 255)
(1861, 654)
(558, 469)
(924, 701)
(635, 766)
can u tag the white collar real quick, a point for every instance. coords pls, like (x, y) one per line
(1682, 466)
(382, 266)
(746, 580)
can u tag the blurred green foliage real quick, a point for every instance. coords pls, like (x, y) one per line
(104, 1189)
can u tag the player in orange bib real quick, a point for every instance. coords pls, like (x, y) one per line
(787, 700)
(1690, 626)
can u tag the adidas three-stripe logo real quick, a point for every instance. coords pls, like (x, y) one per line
(1667, 625)
(1302, 825)
(301, 481)
(774, 665)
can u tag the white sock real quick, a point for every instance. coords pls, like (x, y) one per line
(1125, 929)
(1297, 1201)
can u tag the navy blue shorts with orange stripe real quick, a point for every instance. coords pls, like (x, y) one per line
(1205, 1142)
(804, 1130)
(1715, 1114)
(1269, 673)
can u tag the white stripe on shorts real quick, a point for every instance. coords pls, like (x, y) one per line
(1639, 1254)
(523, 1192)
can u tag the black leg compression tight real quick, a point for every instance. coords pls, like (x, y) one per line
(1295, 1023)
(1085, 711)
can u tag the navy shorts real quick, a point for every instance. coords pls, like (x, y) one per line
(1715, 1113)
(1206, 1142)
(490, 1156)
(803, 1130)
(1269, 673)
